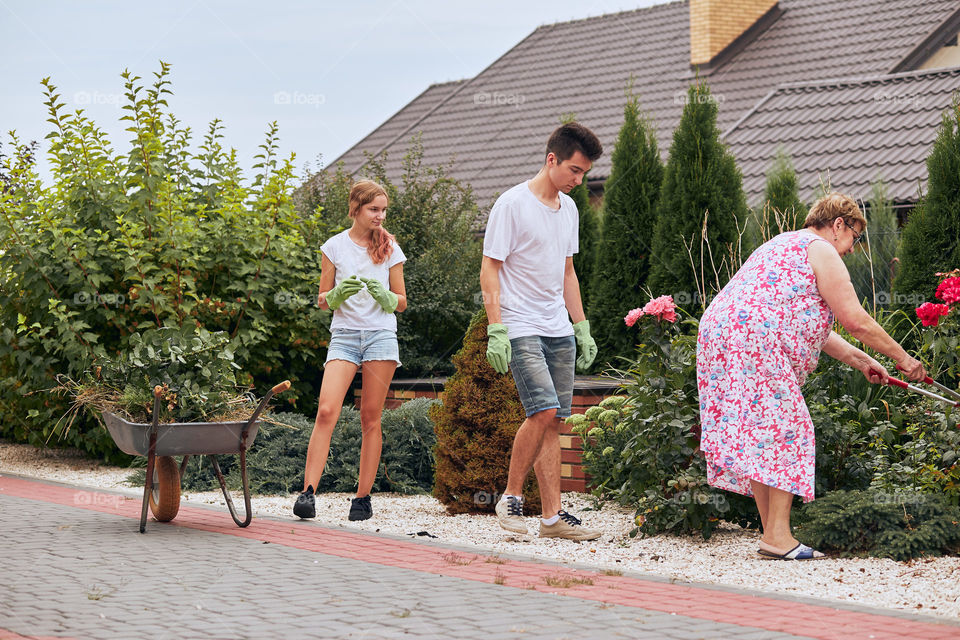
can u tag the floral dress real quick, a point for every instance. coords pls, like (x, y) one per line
(759, 339)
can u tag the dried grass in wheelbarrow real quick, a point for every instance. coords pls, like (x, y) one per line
(161, 442)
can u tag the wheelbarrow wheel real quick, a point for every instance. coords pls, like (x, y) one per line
(165, 497)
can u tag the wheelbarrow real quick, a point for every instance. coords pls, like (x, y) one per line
(161, 442)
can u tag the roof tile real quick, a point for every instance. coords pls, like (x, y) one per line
(495, 125)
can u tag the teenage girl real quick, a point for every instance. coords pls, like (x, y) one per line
(361, 281)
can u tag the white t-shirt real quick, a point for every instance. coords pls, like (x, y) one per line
(360, 311)
(533, 241)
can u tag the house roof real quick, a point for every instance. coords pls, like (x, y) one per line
(849, 132)
(494, 127)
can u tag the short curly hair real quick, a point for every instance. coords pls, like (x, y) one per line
(832, 206)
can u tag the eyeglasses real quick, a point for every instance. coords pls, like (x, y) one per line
(857, 237)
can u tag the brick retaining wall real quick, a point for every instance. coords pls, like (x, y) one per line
(587, 391)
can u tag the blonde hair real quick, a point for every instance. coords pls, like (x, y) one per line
(832, 206)
(362, 193)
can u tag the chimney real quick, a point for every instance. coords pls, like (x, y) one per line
(715, 24)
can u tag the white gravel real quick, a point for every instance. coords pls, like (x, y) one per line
(929, 586)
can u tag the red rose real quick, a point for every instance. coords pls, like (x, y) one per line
(929, 313)
(949, 290)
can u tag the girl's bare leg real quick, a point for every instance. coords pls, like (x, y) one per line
(337, 376)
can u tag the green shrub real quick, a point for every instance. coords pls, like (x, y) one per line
(645, 452)
(701, 207)
(584, 260)
(195, 368)
(623, 255)
(164, 233)
(434, 218)
(929, 244)
(475, 427)
(900, 525)
(781, 208)
(275, 461)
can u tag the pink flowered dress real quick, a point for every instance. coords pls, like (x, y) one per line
(758, 341)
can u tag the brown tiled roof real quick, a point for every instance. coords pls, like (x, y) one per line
(495, 125)
(397, 127)
(847, 131)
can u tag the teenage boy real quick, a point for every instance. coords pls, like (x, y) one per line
(529, 286)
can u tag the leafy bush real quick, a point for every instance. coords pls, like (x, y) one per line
(940, 346)
(475, 427)
(275, 461)
(900, 525)
(643, 450)
(433, 217)
(154, 236)
(194, 367)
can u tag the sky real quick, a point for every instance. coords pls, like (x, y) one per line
(327, 72)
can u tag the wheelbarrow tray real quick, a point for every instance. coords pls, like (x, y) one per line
(180, 438)
(164, 441)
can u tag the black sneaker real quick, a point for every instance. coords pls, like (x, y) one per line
(360, 509)
(305, 506)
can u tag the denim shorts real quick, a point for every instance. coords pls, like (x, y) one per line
(542, 367)
(361, 345)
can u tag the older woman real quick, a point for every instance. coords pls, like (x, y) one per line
(758, 341)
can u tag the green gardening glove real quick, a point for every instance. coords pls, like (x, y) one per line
(385, 298)
(498, 347)
(588, 348)
(346, 288)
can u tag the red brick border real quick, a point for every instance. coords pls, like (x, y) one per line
(815, 621)
(6, 634)
(572, 476)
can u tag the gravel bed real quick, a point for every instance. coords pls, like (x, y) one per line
(930, 586)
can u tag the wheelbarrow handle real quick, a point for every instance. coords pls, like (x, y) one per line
(283, 386)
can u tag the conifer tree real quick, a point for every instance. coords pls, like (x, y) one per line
(583, 260)
(701, 181)
(781, 208)
(931, 239)
(883, 239)
(623, 254)
(588, 232)
(475, 427)
(786, 212)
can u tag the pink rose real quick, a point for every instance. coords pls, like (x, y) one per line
(631, 318)
(662, 307)
(929, 313)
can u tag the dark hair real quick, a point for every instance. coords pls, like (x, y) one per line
(573, 137)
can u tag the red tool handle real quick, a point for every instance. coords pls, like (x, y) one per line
(927, 380)
(891, 380)
(911, 387)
